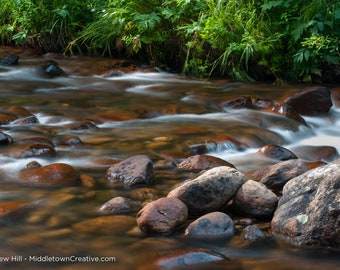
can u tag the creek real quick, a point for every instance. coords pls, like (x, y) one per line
(158, 114)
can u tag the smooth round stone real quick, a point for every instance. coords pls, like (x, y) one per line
(52, 175)
(162, 216)
(212, 226)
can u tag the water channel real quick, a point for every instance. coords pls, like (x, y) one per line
(158, 114)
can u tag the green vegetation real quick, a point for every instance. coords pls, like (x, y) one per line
(244, 39)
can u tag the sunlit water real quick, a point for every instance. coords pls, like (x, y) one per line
(153, 113)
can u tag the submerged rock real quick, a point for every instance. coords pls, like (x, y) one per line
(118, 205)
(136, 170)
(162, 216)
(308, 212)
(252, 233)
(212, 226)
(9, 60)
(199, 163)
(276, 152)
(52, 175)
(210, 191)
(187, 258)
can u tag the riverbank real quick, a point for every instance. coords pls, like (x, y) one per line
(242, 40)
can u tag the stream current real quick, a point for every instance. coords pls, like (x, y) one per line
(158, 114)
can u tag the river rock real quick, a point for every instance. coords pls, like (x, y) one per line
(19, 111)
(30, 150)
(285, 110)
(238, 103)
(117, 205)
(309, 209)
(51, 69)
(252, 233)
(136, 170)
(5, 139)
(277, 175)
(162, 216)
(317, 153)
(312, 102)
(52, 175)
(255, 200)
(210, 191)
(9, 60)
(211, 226)
(187, 258)
(6, 118)
(276, 152)
(199, 163)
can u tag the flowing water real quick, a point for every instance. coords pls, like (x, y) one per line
(158, 114)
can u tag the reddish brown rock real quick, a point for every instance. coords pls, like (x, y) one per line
(19, 112)
(199, 163)
(52, 175)
(313, 101)
(276, 152)
(255, 200)
(212, 226)
(285, 110)
(136, 170)
(317, 153)
(6, 118)
(238, 103)
(162, 216)
(276, 176)
(30, 150)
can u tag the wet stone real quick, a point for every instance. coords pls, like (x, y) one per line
(317, 153)
(308, 211)
(312, 102)
(252, 233)
(9, 60)
(51, 69)
(210, 191)
(136, 170)
(199, 163)
(118, 205)
(162, 216)
(277, 175)
(6, 118)
(19, 112)
(211, 226)
(52, 175)
(276, 152)
(30, 150)
(255, 200)
(187, 258)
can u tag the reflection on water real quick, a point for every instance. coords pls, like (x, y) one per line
(158, 114)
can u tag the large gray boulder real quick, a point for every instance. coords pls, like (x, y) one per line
(308, 213)
(210, 191)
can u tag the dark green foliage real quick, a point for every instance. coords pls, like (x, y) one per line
(244, 39)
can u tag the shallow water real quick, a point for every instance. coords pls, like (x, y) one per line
(153, 113)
